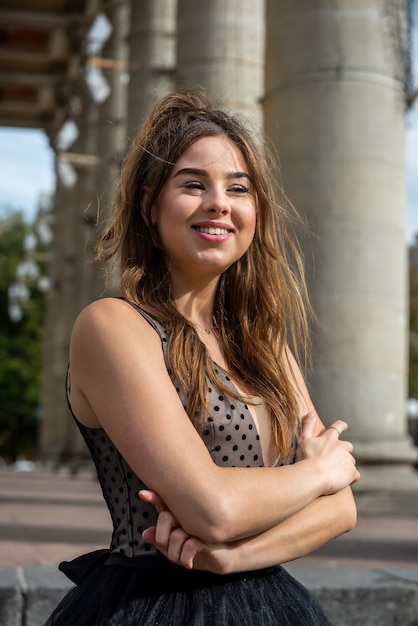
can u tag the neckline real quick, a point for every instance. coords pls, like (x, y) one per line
(253, 417)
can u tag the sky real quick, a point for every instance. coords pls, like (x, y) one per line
(27, 163)
(26, 169)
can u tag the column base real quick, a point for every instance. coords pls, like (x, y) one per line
(381, 478)
(394, 450)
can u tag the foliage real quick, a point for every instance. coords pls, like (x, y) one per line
(20, 350)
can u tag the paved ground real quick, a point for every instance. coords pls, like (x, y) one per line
(48, 517)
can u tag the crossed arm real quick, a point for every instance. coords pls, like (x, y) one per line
(303, 532)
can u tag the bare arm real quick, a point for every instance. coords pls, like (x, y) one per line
(306, 531)
(120, 382)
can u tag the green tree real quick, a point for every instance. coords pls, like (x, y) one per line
(20, 349)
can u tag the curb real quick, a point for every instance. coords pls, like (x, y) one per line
(350, 597)
(29, 594)
(362, 597)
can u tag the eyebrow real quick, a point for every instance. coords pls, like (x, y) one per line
(195, 171)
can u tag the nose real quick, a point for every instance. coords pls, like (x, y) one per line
(217, 202)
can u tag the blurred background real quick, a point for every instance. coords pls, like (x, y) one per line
(332, 86)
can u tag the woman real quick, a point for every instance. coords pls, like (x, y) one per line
(212, 461)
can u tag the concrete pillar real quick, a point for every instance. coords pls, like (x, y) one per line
(152, 46)
(334, 108)
(84, 208)
(100, 146)
(77, 246)
(221, 47)
(111, 138)
(76, 281)
(69, 272)
(55, 415)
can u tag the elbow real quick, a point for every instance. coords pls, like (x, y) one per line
(350, 517)
(352, 520)
(213, 524)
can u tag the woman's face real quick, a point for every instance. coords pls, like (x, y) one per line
(206, 212)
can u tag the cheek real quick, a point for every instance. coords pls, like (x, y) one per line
(252, 219)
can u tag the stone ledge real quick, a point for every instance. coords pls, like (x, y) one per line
(360, 597)
(29, 594)
(350, 597)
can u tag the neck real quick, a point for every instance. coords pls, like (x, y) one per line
(197, 306)
(200, 318)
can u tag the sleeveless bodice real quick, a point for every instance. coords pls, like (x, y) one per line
(230, 436)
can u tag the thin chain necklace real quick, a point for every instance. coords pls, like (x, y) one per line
(208, 329)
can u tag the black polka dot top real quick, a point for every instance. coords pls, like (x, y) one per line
(230, 436)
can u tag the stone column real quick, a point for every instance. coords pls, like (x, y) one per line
(111, 139)
(334, 108)
(101, 145)
(151, 57)
(55, 415)
(76, 286)
(69, 272)
(221, 47)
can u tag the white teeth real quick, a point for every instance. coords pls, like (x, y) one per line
(212, 231)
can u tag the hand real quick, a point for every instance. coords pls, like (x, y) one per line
(160, 534)
(307, 431)
(180, 547)
(334, 455)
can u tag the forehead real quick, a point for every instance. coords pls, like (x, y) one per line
(217, 152)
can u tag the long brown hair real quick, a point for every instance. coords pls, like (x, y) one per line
(261, 305)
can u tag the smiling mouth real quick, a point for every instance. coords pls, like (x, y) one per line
(212, 230)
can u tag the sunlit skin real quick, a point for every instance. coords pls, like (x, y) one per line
(206, 213)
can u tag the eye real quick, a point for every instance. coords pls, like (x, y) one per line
(239, 189)
(194, 184)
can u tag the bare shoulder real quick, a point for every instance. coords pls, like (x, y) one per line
(111, 318)
(106, 309)
(110, 336)
(112, 347)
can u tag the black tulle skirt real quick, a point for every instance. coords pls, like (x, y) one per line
(150, 591)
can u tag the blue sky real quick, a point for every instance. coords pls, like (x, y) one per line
(26, 169)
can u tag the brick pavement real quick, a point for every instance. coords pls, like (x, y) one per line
(47, 517)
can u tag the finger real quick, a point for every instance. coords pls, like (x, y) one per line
(308, 425)
(177, 540)
(338, 427)
(152, 498)
(190, 548)
(347, 445)
(165, 526)
(148, 535)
